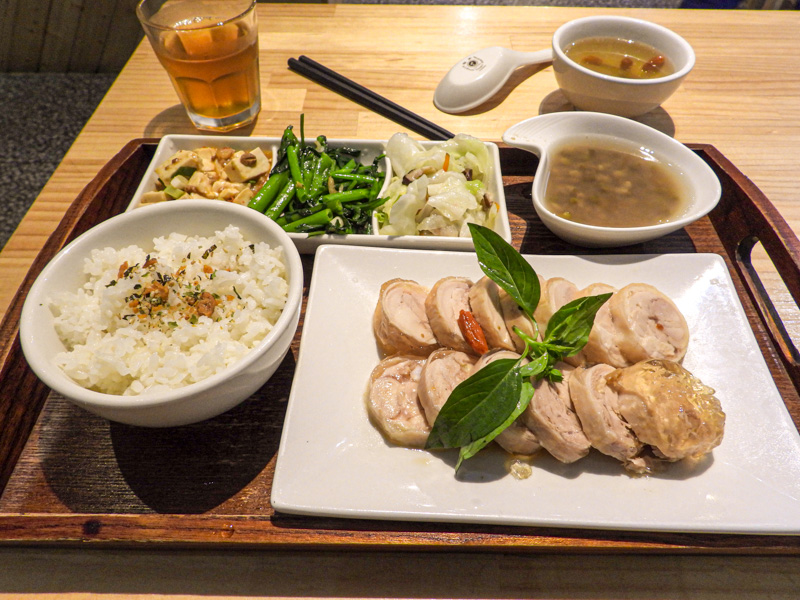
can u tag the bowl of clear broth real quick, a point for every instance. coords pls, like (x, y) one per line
(619, 65)
(605, 181)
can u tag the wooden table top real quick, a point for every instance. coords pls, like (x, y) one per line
(742, 97)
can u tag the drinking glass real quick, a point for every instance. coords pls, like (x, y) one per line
(209, 48)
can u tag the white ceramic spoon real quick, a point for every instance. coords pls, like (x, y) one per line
(479, 76)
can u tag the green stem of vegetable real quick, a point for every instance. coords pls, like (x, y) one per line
(320, 218)
(307, 166)
(268, 192)
(288, 217)
(296, 172)
(173, 192)
(375, 189)
(321, 173)
(333, 204)
(348, 167)
(286, 196)
(348, 196)
(358, 177)
(373, 204)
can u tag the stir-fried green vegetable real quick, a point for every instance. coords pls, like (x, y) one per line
(318, 189)
(486, 403)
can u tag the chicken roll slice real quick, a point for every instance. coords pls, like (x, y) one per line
(517, 438)
(513, 316)
(603, 344)
(669, 408)
(648, 324)
(555, 293)
(442, 372)
(400, 322)
(392, 401)
(597, 407)
(484, 302)
(443, 305)
(552, 418)
(599, 352)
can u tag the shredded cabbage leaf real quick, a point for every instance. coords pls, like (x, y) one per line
(437, 201)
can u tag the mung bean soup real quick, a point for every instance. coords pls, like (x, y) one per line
(601, 182)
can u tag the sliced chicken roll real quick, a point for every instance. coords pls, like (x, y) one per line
(597, 407)
(552, 418)
(443, 305)
(555, 293)
(648, 323)
(484, 302)
(442, 372)
(669, 408)
(400, 322)
(517, 438)
(597, 350)
(603, 344)
(392, 401)
(513, 316)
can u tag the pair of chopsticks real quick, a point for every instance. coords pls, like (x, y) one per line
(367, 98)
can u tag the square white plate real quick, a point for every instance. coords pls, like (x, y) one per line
(333, 462)
(170, 144)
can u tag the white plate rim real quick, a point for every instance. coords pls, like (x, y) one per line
(292, 495)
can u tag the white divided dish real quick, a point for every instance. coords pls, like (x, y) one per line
(333, 462)
(543, 135)
(170, 144)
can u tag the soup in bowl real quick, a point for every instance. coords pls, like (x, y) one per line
(619, 65)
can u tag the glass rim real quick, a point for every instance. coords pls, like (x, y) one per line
(147, 21)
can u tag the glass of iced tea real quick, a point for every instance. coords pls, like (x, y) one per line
(209, 48)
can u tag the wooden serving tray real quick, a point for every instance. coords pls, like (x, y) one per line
(69, 477)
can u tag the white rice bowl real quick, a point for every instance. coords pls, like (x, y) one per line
(116, 348)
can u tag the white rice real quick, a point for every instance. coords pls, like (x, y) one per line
(120, 341)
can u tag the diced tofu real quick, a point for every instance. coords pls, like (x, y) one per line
(228, 191)
(243, 197)
(179, 182)
(153, 197)
(255, 163)
(182, 158)
(206, 158)
(199, 184)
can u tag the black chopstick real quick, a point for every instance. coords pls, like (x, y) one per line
(375, 102)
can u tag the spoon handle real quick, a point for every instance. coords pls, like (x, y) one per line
(531, 58)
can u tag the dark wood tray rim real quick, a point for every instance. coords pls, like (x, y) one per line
(746, 217)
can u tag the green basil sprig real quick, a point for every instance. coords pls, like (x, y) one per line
(486, 403)
(505, 266)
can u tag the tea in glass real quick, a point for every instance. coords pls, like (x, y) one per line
(209, 48)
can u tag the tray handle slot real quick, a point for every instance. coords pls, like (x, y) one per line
(744, 218)
(769, 313)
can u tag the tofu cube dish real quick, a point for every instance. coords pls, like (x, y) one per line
(211, 173)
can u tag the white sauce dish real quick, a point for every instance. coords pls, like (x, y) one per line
(544, 134)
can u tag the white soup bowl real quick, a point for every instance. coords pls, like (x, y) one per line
(592, 91)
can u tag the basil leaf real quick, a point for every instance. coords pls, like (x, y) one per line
(506, 267)
(477, 406)
(470, 450)
(569, 327)
(536, 366)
